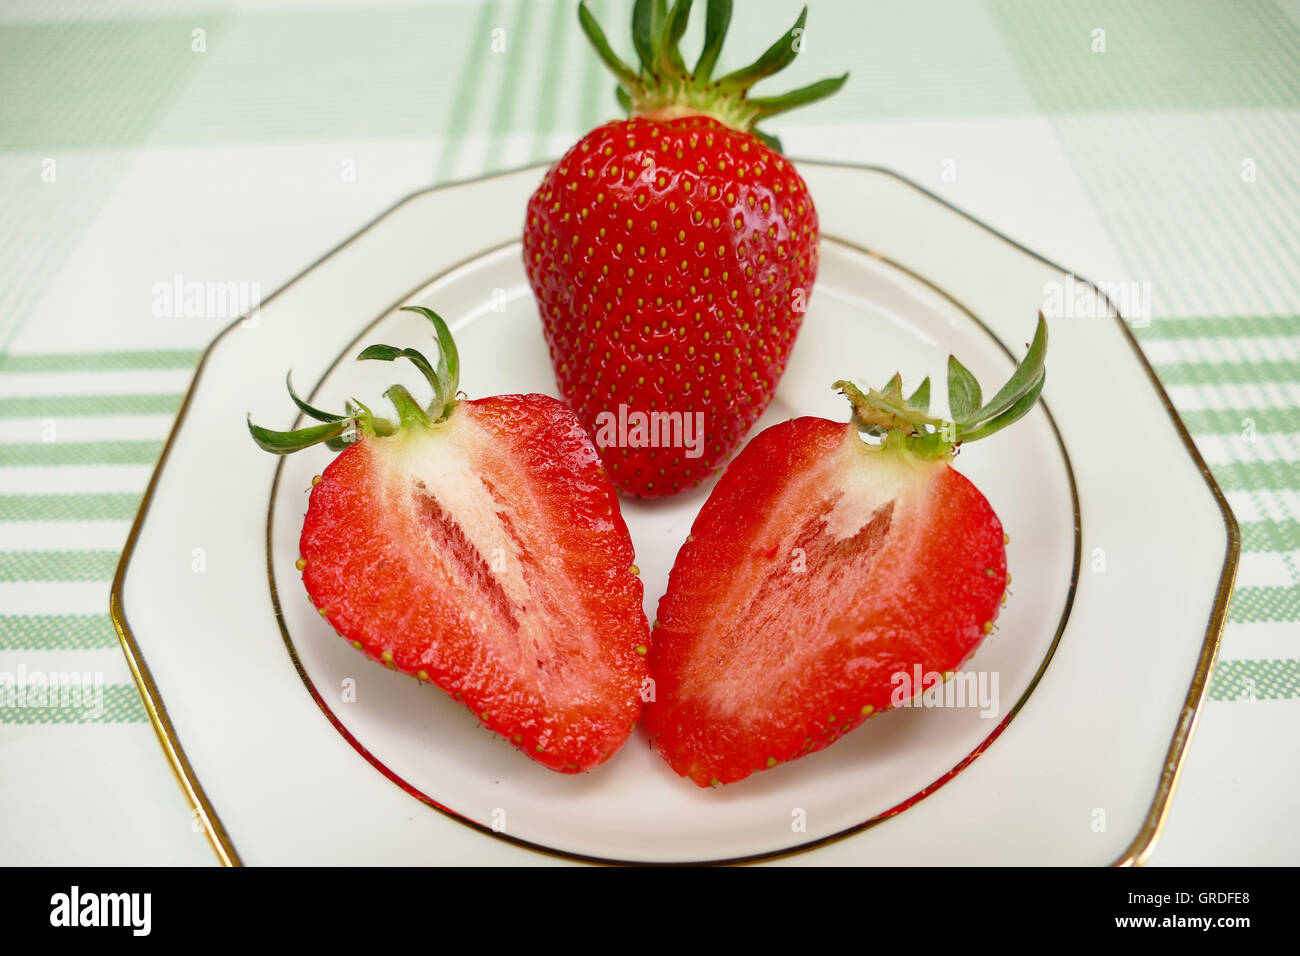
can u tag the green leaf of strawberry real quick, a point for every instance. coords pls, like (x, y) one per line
(963, 391)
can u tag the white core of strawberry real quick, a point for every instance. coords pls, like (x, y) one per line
(877, 479)
(859, 486)
(478, 533)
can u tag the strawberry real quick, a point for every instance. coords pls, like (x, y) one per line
(478, 545)
(672, 254)
(823, 565)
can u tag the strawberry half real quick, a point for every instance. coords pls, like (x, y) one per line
(823, 565)
(672, 254)
(478, 545)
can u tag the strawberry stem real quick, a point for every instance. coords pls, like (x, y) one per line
(626, 75)
(306, 409)
(407, 407)
(671, 57)
(339, 431)
(907, 423)
(285, 443)
(716, 20)
(662, 86)
(772, 105)
(774, 59)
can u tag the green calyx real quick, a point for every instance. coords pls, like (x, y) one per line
(906, 423)
(357, 421)
(664, 87)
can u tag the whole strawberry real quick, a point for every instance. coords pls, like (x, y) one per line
(672, 254)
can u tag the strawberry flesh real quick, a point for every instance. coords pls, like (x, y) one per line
(487, 555)
(820, 567)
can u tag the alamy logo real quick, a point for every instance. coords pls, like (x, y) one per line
(182, 299)
(103, 909)
(1075, 299)
(54, 690)
(651, 430)
(932, 689)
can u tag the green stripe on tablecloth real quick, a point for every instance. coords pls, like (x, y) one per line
(98, 361)
(1254, 475)
(1256, 680)
(56, 632)
(57, 565)
(595, 77)
(103, 83)
(343, 73)
(359, 72)
(1206, 236)
(477, 41)
(1226, 373)
(121, 704)
(1270, 536)
(1206, 240)
(1159, 54)
(119, 506)
(39, 406)
(902, 63)
(1255, 605)
(503, 113)
(1220, 327)
(80, 453)
(562, 24)
(1223, 420)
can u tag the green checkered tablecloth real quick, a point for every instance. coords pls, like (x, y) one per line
(1156, 142)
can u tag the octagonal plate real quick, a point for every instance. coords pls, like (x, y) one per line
(1090, 688)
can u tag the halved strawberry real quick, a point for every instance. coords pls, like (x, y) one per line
(478, 545)
(820, 567)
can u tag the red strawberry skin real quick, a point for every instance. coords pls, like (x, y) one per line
(487, 555)
(671, 261)
(756, 663)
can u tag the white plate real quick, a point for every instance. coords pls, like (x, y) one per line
(1099, 672)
